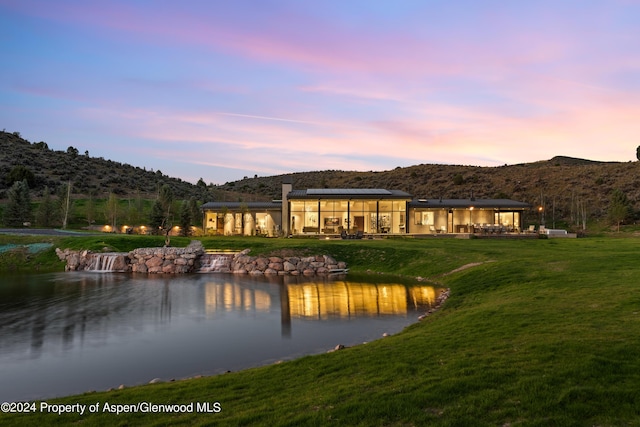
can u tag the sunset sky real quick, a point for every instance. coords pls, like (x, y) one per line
(220, 90)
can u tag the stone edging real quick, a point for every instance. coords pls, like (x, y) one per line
(170, 260)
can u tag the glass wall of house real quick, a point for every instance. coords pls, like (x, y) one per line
(391, 216)
(217, 222)
(304, 217)
(236, 222)
(333, 216)
(318, 216)
(210, 222)
(362, 216)
(465, 220)
(266, 225)
(509, 220)
(495, 221)
(430, 221)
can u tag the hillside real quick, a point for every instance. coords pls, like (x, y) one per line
(558, 184)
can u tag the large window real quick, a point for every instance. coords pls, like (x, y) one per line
(304, 216)
(424, 218)
(337, 215)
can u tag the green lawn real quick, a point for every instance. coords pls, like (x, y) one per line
(539, 333)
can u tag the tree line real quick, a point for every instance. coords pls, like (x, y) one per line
(57, 208)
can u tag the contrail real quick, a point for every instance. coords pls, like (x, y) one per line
(278, 119)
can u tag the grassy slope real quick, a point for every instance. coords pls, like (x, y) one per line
(543, 332)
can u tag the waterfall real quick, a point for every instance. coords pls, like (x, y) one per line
(215, 263)
(103, 262)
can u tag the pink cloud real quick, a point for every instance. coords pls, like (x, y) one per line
(493, 94)
(294, 37)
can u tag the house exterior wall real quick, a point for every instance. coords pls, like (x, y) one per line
(240, 222)
(463, 220)
(332, 216)
(331, 212)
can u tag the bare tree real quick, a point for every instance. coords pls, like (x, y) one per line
(112, 210)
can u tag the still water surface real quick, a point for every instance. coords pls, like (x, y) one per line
(68, 333)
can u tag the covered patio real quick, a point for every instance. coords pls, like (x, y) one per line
(466, 216)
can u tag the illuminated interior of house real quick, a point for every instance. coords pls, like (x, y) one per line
(336, 216)
(358, 212)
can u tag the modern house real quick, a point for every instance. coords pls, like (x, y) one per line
(371, 211)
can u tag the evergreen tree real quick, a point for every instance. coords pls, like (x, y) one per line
(156, 219)
(18, 209)
(195, 211)
(161, 212)
(46, 213)
(620, 208)
(185, 219)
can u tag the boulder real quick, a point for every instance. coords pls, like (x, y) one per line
(155, 261)
(278, 266)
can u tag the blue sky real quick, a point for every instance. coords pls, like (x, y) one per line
(221, 90)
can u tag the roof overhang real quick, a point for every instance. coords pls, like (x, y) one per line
(500, 204)
(348, 193)
(275, 205)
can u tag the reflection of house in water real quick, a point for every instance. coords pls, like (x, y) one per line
(348, 299)
(320, 300)
(232, 296)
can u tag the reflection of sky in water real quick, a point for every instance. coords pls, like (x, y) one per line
(74, 332)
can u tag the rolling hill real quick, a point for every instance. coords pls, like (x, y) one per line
(559, 184)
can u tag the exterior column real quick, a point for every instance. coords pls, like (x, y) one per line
(287, 187)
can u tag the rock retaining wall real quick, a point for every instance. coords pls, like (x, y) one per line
(320, 264)
(169, 260)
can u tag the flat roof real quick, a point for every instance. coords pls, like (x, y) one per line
(237, 205)
(348, 193)
(468, 203)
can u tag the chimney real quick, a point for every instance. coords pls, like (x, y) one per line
(287, 187)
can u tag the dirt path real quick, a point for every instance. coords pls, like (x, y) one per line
(466, 266)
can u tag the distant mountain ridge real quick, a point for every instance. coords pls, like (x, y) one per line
(573, 161)
(558, 183)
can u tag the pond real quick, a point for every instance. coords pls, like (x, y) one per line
(69, 333)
